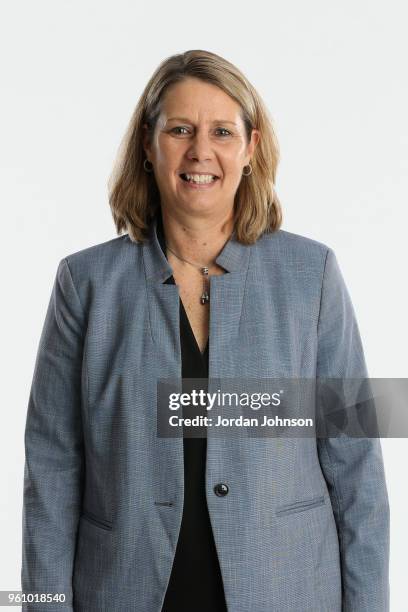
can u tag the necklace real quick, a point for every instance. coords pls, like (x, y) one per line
(205, 296)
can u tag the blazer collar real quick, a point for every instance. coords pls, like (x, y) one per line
(234, 256)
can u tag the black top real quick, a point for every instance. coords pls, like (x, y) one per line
(195, 580)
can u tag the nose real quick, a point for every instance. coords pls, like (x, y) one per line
(200, 147)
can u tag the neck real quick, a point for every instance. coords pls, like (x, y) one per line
(196, 240)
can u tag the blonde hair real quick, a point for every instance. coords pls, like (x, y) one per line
(133, 192)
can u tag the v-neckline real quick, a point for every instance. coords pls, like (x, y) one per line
(161, 239)
(203, 353)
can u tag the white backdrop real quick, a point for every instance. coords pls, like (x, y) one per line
(332, 76)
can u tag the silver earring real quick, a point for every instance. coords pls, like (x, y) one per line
(247, 173)
(144, 166)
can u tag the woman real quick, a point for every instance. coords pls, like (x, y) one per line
(203, 284)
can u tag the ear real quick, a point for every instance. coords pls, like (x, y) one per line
(145, 138)
(255, 138)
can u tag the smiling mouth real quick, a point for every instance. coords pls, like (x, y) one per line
(190, 180)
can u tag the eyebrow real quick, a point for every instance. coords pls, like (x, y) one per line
(189, 121)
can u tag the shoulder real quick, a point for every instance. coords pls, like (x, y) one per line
(291, 248)
(101, 267)
(100, 251)
(103, 255)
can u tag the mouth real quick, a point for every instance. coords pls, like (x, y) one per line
(188, 178)
(207, 182)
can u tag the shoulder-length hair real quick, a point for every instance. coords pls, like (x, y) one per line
(133, 192)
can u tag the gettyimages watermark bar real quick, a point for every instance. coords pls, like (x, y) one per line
(282, 407)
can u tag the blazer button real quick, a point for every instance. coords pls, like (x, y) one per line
(221, 489)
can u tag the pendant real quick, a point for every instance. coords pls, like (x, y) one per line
(205, 298)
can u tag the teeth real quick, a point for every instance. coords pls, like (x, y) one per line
(200, 178)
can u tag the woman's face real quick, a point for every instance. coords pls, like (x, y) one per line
(199, 131)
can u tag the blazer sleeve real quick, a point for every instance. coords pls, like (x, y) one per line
(53, 471)
(352, 467)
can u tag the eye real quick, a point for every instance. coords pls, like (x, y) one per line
(178, 128)
(224, 130)
(174, 130)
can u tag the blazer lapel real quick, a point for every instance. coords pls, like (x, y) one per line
(226, 299)
(227, 294)
(163, 299)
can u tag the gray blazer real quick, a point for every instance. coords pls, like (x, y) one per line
(305, 524)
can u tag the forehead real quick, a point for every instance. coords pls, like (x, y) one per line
(193, 98)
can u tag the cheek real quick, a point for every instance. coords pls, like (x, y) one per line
(164, 161)
(233, 174)
(233, 166)
(170, 151)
